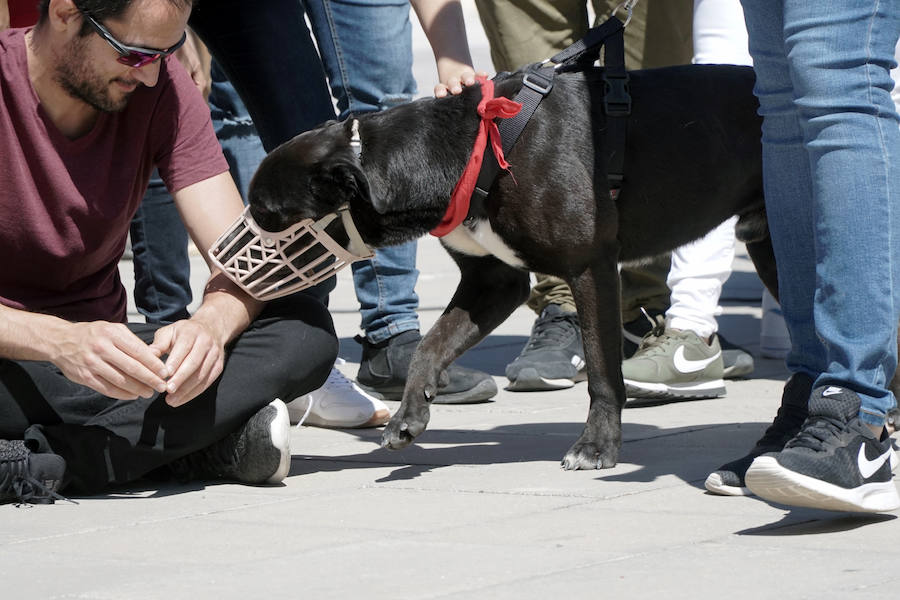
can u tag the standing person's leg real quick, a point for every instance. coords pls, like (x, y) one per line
(524, 31)
(366, 48)
(267, 53)
(235, 130)
(159, 248)
(285, 352)
(698, 270)
(830, 133)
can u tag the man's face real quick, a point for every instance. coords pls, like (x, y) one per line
(88, 70)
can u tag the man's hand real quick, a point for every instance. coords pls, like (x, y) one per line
(196, 358)
(109, 358)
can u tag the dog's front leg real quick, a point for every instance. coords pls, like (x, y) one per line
(488, 292)
(596, 292)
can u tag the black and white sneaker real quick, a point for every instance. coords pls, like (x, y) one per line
(728, 480)
(553, 357)
(384, 367)
(27, 477)
(834, 463)
(259, 452)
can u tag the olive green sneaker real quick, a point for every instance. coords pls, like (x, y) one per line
(673, 364)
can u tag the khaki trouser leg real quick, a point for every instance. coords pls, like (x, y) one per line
(527, 31)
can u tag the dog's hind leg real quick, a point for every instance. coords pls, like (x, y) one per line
(488, 292)
(596, 292)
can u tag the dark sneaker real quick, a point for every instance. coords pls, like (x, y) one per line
(553, 358)
(834, 463)
(259, 452)
(634, 332)
(728, 480)
(893, 421)
(736, 362)
(28, 477)
(674, 364)
(384, 366)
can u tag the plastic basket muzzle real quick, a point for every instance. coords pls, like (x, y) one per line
(270, 265)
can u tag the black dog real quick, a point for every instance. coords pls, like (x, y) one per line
(692, 159)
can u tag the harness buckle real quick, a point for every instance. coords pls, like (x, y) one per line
(616, 97)
(529, 81)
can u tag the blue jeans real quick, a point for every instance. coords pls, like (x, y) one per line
(366, 49)
(831, 159)
(159, 246)
(235, 130)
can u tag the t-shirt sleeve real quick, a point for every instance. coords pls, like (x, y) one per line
(186, 149)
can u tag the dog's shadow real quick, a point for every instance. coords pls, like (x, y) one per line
(648, 451)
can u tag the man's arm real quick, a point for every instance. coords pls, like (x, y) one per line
(104, 356)
(4, 15)
(196, 346)
(444, 26)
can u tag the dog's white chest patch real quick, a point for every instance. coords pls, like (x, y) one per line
(480, 240)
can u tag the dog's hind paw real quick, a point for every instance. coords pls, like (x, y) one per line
(588, 456)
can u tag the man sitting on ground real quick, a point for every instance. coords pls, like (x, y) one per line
(91, 103)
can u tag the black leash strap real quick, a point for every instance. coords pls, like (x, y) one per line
(537, 83)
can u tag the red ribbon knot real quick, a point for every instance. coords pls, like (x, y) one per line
(489, 108)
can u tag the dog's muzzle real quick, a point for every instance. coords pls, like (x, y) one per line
(270, 265)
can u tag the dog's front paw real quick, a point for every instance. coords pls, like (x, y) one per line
(589, 455)
(404, 427)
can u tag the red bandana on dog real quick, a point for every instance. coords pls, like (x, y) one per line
(489, 108)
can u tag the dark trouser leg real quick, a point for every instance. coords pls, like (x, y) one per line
(288, 351)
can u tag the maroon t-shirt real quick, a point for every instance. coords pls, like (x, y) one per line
(65, 205)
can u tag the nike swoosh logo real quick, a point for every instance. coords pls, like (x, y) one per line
(685, 365)
(868, 467)
(832, 391)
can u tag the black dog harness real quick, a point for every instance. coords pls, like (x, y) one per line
(537, 83)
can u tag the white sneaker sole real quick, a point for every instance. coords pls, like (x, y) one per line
(529, 381)
(715, 485)
(770, 481)
(280, 431)
(664, 391)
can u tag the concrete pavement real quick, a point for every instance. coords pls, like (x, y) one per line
(477, 508)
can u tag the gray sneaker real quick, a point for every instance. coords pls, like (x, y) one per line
(674, 364)
(737, 362)
(258, 452)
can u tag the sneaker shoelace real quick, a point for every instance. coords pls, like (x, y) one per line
(16, 479)
(658, 342)
(817, 432)
(552, 330)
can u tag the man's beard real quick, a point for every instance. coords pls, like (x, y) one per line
(75, 76)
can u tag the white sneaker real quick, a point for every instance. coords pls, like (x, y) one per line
(339, 403)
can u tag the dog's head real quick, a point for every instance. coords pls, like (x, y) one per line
(307, 178)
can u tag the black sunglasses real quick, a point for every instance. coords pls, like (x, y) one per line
(132, 56)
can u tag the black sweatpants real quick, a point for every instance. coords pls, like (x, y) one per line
(286, 352)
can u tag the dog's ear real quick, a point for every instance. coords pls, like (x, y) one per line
(337, 180)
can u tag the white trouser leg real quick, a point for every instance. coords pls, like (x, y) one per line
(699, 269)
